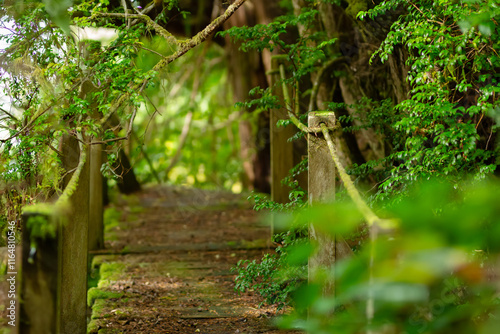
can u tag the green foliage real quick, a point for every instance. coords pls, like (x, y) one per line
(276, 276)
(297, 195)
(453, 73)
(302, 58)
(264, 99)
(207, 160)
(446, 128)
(58, 11)
(53, 89)
(111, 218)
(57, 83)
(262, 277)
(431, 276)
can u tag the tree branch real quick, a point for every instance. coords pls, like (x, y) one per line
(230, 119)
(149, 22)
(9, 114)
(73, 182)
(126, 137)
(319, 79)
(189, 117)
(184, 48)
(182, 141)
(288, 103)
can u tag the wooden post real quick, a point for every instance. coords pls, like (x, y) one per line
(96, 200)
(321, 189)
(39, 294)
(282, 156)
(322, 173)
(73, 246)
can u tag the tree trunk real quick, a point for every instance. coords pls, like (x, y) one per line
(246, 71)
(357, 40)
(127, 183)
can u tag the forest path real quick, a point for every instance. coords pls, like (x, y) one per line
(166, 267)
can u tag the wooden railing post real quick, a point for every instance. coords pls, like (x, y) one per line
(322, 173)
(281, 148)
(53, 290)
(74, 247)
(321, 190)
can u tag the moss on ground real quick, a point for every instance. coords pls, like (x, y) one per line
(136, 209)
(112, 218)
(110, 271)
(94, 294)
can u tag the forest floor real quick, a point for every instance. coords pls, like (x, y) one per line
(167, 265)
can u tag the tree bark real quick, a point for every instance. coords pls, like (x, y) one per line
(127, 183)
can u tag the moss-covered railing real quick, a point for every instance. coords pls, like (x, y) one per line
(54, 258)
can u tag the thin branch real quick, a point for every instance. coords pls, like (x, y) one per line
(149, 22)
(182, 141)
(319, 79)
(288, 103)
(9, 114)
(154, 112)
(152, 51)
(230, 119)
(146, 157)
(184, 48)
(68, 172)
(125, 10)
(59, 154)
(145, 11)
(73, 182)
(488, 142)
(126, 137)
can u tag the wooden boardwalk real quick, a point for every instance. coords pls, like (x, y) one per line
(167, 265)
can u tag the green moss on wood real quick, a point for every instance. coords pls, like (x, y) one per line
(110, 272)
(44, 219)
(95, 293)
(93, 326)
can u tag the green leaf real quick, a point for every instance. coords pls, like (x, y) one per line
(58, 11)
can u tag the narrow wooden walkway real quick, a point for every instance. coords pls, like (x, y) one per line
(166, 267)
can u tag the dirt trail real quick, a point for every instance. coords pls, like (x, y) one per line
(166, 267)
